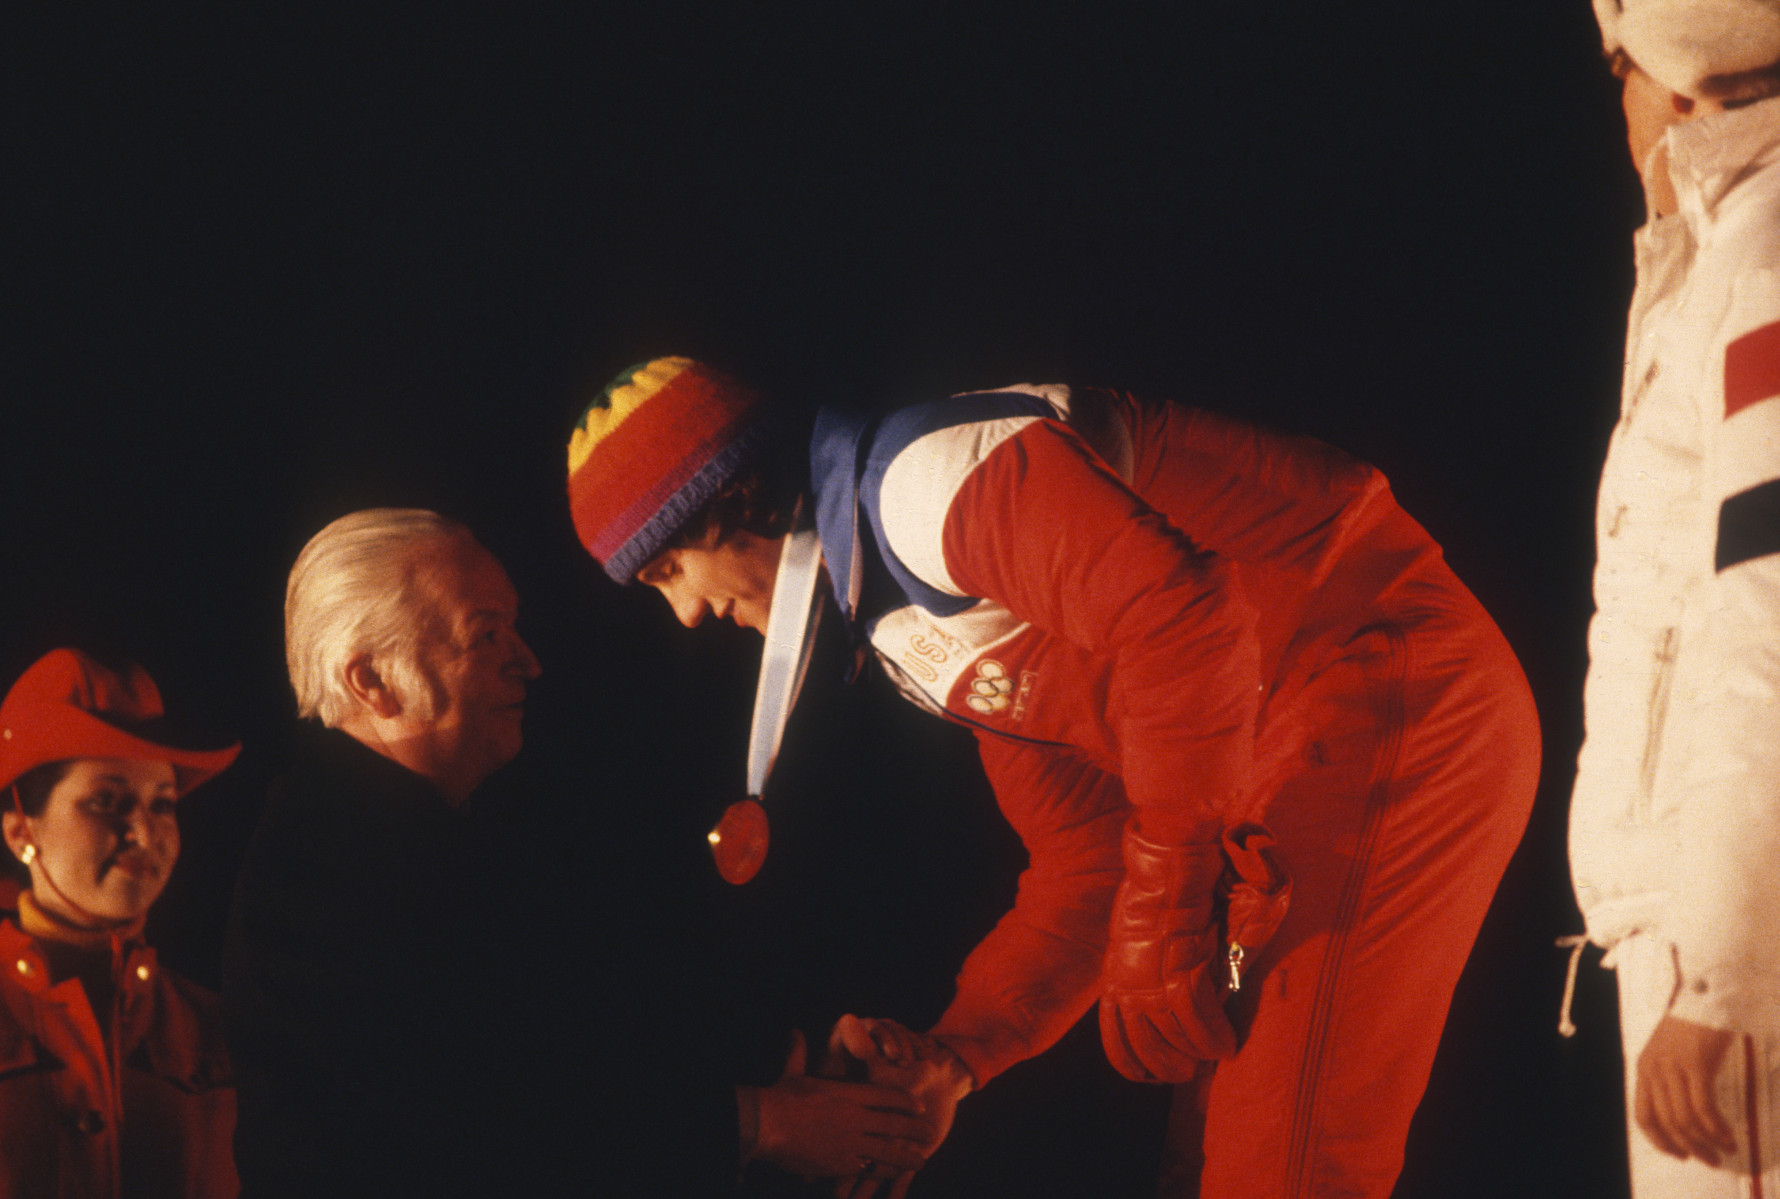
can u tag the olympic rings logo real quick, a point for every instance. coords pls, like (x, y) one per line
(990, 690)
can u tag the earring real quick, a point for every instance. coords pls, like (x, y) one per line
(29, 854)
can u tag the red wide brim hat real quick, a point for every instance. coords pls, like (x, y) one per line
(69, 705)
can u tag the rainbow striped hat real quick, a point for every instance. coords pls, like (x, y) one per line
(650, 451)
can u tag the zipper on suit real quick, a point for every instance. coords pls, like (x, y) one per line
(1387, 688)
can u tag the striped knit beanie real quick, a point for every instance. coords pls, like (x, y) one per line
(650, 451)
(1683, 43)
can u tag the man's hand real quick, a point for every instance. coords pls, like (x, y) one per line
(920, 1065)
(826, 1128)
(1675, 1106)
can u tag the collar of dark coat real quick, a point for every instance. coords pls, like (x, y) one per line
(332, 752)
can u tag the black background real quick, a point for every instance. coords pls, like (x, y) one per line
(264, 268)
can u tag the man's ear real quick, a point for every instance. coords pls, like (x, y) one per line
(367, 686)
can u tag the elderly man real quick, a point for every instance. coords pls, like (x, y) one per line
(384, 978)
(1675, 827)
(353, 993)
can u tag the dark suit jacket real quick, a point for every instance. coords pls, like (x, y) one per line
(409, 1016)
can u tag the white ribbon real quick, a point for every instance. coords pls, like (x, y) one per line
(790, 632)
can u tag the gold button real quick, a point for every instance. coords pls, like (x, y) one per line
(6, 733)
(142, 973)
(24, 967)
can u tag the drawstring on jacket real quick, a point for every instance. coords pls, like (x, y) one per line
(1575, 943)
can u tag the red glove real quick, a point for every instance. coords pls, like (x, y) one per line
(1161, 1012)
(1168, 969)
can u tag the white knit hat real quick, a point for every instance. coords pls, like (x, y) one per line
(1682, 43)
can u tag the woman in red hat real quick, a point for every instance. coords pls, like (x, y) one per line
(113, 1076)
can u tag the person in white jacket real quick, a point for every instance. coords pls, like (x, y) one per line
(1675, 824)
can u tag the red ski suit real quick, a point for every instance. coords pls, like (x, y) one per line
(1196, 623)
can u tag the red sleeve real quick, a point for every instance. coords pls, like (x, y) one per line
(1042, 526)
(1038, 970)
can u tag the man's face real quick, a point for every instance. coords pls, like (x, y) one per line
(733, 578)
(475, 662)
(1650, 108)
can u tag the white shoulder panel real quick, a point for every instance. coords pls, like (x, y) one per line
(1091, 417)
(919, 488)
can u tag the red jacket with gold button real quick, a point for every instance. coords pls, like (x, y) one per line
(146, 1113)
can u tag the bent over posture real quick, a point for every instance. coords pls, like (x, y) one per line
(1268, 756)
(1674, 836)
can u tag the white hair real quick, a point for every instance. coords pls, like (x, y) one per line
(353, 590)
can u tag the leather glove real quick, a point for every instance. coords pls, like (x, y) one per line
(1168, 968)
(1161, 1012)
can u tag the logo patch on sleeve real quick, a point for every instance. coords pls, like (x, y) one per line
(1751, 369)
(989, 691)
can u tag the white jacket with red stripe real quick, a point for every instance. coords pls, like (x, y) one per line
(1675, 823)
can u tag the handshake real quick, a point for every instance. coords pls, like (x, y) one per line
(876, 1105)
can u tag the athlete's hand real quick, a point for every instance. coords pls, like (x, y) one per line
(923, 1066)
(827, 1128)
(1161, 1012)
(1675, 1105)
(858, 1043)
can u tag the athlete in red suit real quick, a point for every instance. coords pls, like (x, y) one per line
(1218, 677)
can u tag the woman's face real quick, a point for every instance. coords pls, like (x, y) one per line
(106, 840)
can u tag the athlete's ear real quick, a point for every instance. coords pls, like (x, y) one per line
(658, 569)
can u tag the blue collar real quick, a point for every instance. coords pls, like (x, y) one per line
(836, 450)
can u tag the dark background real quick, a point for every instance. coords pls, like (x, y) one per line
(262, 269)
